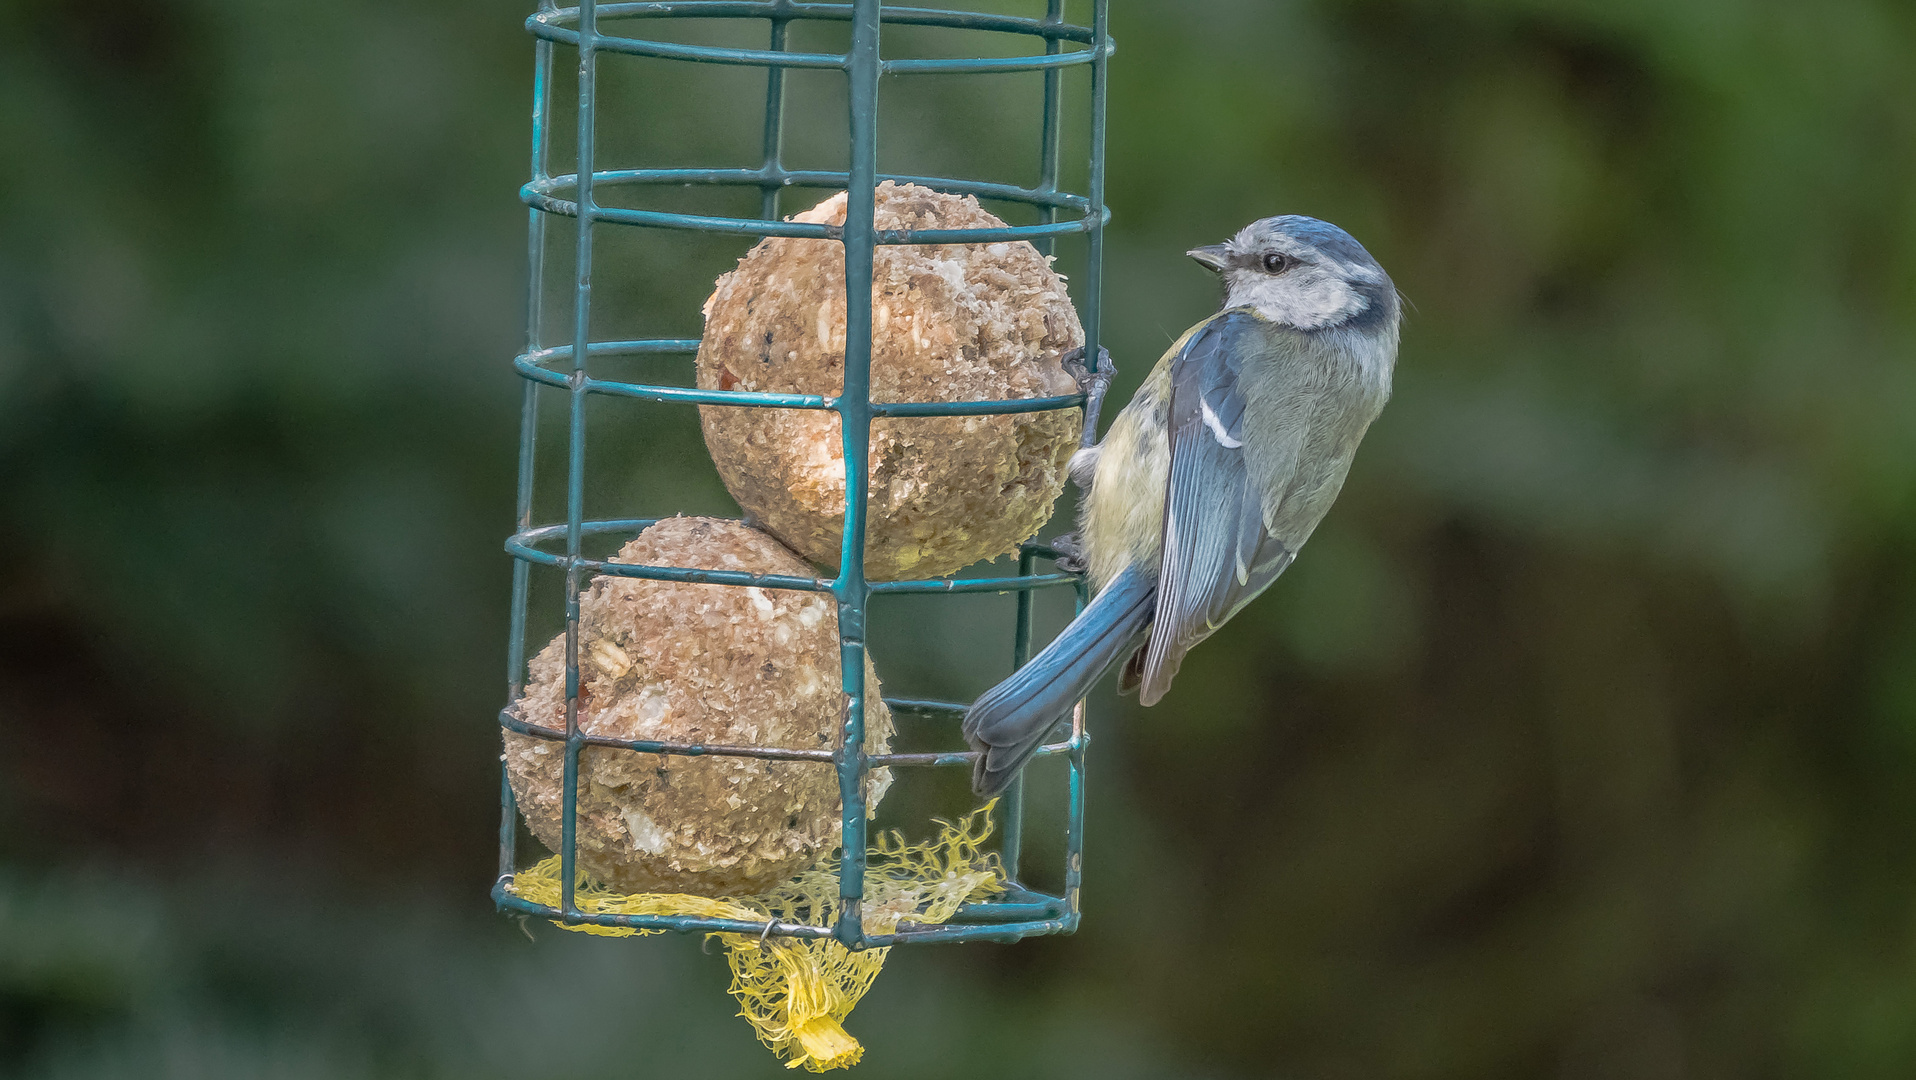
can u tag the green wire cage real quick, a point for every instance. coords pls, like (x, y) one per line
(593, 33)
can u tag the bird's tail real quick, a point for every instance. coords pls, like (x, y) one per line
(1009, 722)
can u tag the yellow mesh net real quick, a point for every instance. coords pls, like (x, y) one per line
(796, 992)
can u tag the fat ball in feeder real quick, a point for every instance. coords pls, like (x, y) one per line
(689, 663)
(950, 322)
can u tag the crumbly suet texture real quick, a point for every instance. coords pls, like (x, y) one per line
(956, 322)
(697, 664)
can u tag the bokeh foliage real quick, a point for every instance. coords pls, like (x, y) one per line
(1578, 743)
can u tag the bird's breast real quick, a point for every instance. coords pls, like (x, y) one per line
(1123, 517)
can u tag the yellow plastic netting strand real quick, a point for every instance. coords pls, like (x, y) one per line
(796, 992)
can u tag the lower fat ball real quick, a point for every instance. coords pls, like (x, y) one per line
(951, 322)
(691, 663)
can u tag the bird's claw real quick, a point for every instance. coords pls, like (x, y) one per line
(1092, 384)
(1089, 382)
(1070, 554)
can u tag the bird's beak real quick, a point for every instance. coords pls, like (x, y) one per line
(1211, 255)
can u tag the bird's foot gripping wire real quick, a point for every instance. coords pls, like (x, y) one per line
(1093, 385)
(1070, 553)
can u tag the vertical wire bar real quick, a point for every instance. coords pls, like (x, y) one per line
(1074, 797)
(1094, 256)
(508, 823)
(1093, 304)
(1049, 140)
(535, 318)
(1012, 809)
(773, 166)
(855, 421)
(1011, 848)
(528, 427)
(575, 460)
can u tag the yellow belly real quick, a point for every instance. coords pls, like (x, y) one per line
(1123, 517)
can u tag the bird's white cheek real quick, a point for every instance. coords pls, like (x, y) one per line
(1306, 299)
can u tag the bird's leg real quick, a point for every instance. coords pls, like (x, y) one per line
(1070, 553)
(1084, 464)
(1093, 385)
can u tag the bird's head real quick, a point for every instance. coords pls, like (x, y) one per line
(1302, 272)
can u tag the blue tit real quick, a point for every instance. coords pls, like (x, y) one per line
(1214, 475)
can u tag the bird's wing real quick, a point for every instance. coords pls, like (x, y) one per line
(1216, 553)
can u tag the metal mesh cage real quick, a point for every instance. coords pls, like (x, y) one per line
(564, 369)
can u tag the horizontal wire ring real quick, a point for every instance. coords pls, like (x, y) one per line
(538, 194)
(992, 925)
(523, 545)
(933, 759)
(561, 26)
(531, 367)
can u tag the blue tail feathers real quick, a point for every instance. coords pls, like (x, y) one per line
(1010, 721)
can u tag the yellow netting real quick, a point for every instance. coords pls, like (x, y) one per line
(796, 992)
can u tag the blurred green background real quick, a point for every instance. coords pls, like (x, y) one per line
(1579, 743)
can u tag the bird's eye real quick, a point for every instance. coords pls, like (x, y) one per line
(1275, 263)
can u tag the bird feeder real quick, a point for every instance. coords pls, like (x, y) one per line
(838, 909)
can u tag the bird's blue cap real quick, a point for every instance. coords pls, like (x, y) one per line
(1328, 239)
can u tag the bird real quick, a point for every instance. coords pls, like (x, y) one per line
(1212, 477)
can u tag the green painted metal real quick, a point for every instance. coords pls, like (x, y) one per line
(583, 32)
